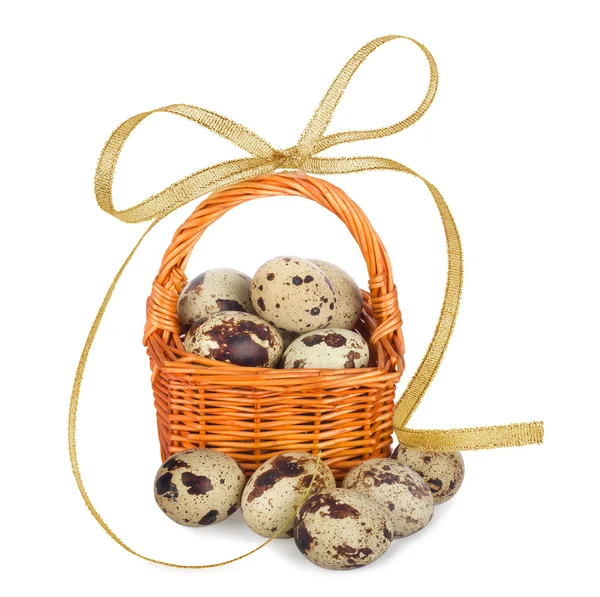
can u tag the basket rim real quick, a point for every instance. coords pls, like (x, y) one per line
(196, 363)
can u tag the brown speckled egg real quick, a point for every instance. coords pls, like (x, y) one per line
(395, 487)
(276, 489)
(215, 290)
(293, 294)
(349, 296)
(340, 529)
(196, 488)
(234, 337)
(334, 348)
(442, 471)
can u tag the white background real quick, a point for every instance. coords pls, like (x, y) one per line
(512, 143)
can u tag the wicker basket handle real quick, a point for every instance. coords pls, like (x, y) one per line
(161, 308)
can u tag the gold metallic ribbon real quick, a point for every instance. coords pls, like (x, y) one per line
(303, 156)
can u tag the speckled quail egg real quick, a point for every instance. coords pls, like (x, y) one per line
(334, 348)
(199, 487)
(349, 296)
(442, 471)
(276, 489)
(395, 487)
(340, 529)
(235, 337)
(215, 290)
(293, 294)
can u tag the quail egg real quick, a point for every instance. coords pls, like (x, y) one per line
(442, 471)
(276, 489)
(349, 296)
(293, 294)
(234, 337)
(395, 487)
(334, 348)
(199, 487)
(340, 529)
(215, 290)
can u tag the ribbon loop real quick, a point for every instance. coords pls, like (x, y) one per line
(314, 141)
(265, 158)
(196, 184)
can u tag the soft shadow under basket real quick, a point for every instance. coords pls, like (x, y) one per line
(255, 413)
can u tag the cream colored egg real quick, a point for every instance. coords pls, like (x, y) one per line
(215, 290)
(442, 471)
(327, 349)
(276, 489)
(293, 294)
(340, 529)
(349, 297)
(395, 487)
(235, 337)
(199, 487)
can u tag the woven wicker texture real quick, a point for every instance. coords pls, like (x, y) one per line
(254, 413)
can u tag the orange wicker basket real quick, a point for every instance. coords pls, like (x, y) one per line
(254, 413)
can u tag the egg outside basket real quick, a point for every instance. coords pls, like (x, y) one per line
(254, 413)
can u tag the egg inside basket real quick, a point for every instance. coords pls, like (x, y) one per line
(254, 413)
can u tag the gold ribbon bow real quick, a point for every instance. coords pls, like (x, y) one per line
(303, 156)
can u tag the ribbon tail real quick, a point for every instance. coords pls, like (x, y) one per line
(476, 438)
(74, 403)
(73, 407)
(455, 439)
